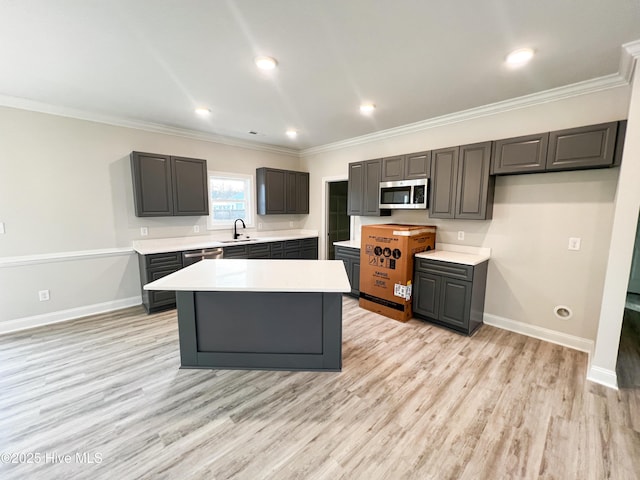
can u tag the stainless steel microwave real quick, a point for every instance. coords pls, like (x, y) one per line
(404, 194)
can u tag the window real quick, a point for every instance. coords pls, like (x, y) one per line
(230, 197)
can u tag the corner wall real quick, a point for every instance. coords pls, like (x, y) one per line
(626, 208)
(67, 203)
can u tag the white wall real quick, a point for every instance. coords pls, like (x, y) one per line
(531, 270)
(65, 186)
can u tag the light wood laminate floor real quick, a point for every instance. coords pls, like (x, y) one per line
(413, 401)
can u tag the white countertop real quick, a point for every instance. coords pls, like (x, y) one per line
(444, 252)
(348, 243)
(164, 245)
(462, 254)
(258, 276)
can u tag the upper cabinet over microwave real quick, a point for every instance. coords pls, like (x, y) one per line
(406, 167)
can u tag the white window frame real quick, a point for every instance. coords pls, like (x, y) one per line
(250, 201)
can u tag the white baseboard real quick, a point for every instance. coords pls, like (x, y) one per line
(70, 314)
(603, 376)
(541, 333)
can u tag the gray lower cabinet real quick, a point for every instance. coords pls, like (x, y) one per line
(153, 267)
(165, 185)
(351, 258)
(302, 249)
(363, 194)
(282, 191)
(450, 294)
(461, 186)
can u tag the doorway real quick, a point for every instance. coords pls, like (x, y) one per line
(628, 364)
(338, 222)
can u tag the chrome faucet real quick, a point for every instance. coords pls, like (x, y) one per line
(235, 224)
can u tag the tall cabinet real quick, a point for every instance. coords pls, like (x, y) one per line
(461, 186)
(363, 195)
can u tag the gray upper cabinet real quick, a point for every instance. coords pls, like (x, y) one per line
(363, 194)
(298, 188)
(593, 146)
(406, 167)
(475, 188)
(392, 169)
(189, 182)
(281, 191)
(583, 147)
(165, 186)
(461, 186)
(355, 192)
(444, 175)
(372, 175)
(417, 165)
(526, 154)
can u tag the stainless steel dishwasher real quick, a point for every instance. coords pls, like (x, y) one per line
(193, 256)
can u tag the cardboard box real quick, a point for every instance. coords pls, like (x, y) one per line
(386, 266)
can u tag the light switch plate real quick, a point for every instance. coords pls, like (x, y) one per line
(2, 230)
(574, 243)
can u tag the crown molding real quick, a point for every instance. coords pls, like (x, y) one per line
(40, 107)
(630, 54)
(581, 88)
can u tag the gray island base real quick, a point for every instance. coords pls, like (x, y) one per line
(260, 330)
(259, 314)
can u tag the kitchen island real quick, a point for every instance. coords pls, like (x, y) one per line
(259, 314)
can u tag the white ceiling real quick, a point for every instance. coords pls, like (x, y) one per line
(154, 61)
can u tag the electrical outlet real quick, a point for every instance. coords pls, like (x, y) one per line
(196, 229)
(144, 231)
(2, 230)
(290, 224)
(43, 295)
(574, 243)
(260, 226)
(460, 235)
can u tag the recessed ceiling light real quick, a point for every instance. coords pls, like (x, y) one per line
(367, 108)
(203, 111)
(519, 57)
(292, 133)
(266, 63)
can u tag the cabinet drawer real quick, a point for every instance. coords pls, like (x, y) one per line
(309, 242)
(276, 247)
(291, 244)
(236, 251)
(161, 260)
(260, 250)
(453, 270)
(347, 252)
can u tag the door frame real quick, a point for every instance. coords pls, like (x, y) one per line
(322, 241)
(634, 277)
